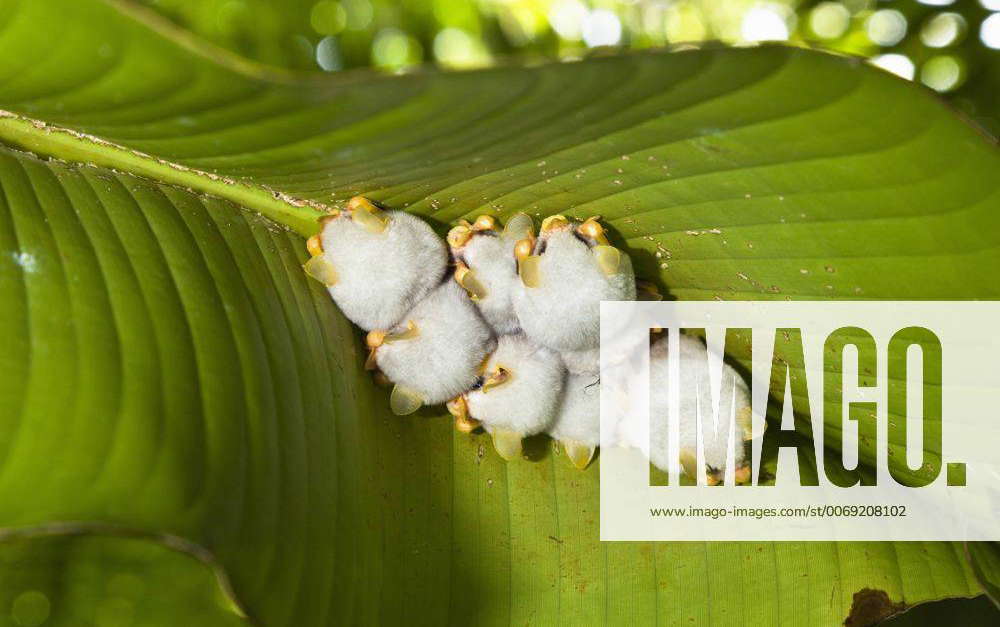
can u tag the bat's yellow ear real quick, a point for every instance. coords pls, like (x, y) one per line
(496, 378)
(404, 401)
(467, 279)
(507, 443)
(578, 453)
(367, 215)
(593, 231)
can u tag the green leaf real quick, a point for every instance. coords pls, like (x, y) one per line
(825, 192)
(985, 559)
(71, 576)
(170, 369)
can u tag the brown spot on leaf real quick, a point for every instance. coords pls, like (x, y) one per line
(870, 607)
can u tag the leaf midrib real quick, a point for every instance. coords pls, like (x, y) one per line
(38, 136)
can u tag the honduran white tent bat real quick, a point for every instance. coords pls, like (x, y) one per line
(486, 268)
(578, 420)
(521, 387)
(565, 275)
(434, 354)
(734, 411)
(376, 264)
(435, 339)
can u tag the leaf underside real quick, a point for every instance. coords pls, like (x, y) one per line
(170, 370)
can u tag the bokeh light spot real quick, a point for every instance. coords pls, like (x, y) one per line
(764, 23)
(566, 18)
(684, 23)
(602, 28)
(942, 73)
(328, 17)
(829, 20)
(453, 47)
(359, 14)
(898, 64)
(989, 31)
(886, 27)
(944, 29)
(393, 49)
(520, 23)
(328, 54)
(30, 609)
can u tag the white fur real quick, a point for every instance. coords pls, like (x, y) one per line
(381, 276)
(563, 312)
(579, 415)
(694, 375)
(443, 360)
(491, 257)
(586, 361)
(526, 404)
(619, 344)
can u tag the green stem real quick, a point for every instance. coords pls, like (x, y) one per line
(69, 145)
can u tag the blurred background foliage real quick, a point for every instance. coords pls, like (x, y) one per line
(952, 46)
